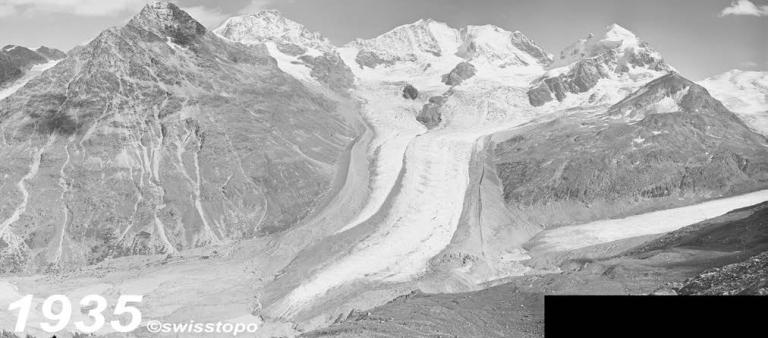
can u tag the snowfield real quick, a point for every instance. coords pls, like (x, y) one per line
(658, 222)
(745, 93)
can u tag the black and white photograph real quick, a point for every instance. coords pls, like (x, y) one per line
(380, 168)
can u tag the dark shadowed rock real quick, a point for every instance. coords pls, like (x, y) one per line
(410, 92)
(290, 48)
(458, 74)
(430, 114)
(540, 95)
(366, 58)
(331, 70)
(582, 77)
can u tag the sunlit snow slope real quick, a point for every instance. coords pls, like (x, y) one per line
(745, 93)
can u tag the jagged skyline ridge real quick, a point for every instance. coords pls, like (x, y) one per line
(551, 24)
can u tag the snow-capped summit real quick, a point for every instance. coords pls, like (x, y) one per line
(600, 69)
(270, 25)
(409, 42)
(498, 46)
(614, 38)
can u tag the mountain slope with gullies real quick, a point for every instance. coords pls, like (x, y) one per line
(160, 136)
(668, 144)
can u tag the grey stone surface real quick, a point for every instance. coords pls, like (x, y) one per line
(331, 70)
(430, 114)
(366, 58)
(458, 74)
(582, 77)
(410, 92)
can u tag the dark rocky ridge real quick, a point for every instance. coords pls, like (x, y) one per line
(159, 136)
(633, 157)
(331, 70)
(585, 73)
(581, 78)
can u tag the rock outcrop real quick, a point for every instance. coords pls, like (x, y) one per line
(430, 114)
(410, 92)
(461, 72)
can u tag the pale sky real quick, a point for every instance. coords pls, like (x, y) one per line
(698, 37)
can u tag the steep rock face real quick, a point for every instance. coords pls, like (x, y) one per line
(159, 136)
(461, 72)
(618, 55)
(670, 142)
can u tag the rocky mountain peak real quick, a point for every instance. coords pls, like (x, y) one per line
(168, 20)
(667, 94)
